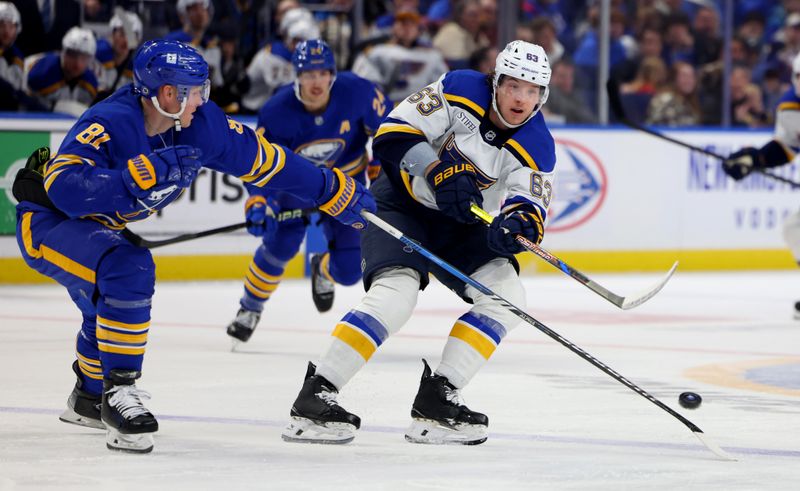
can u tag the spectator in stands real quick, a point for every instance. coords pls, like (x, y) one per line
(229, 96)
(462, 36)
(488, 20)
(587, 55)
(544, 34)
(402, 65)
(385, 22)
(484, 59)
(773, 90)
(678, 103)
(636, 95)
(707, 39)
(563, 106)
(747, 106)
(650, 45)
(787, 47)
(11, 59)
(115, 59)
(524, 32)
(678, 39)
(271, 67)
(64, 82)
(196, 17)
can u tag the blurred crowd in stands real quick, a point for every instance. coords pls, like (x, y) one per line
(64, 55)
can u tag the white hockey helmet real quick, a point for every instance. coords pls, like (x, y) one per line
(183, 5)
(130, 23)
(80, 40)
(527, 62)
(294, 16)
(303, 29)
(9, 12)
(796, 75)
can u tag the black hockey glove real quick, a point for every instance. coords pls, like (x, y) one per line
(740, 164)
(455, 188)
(504, 229)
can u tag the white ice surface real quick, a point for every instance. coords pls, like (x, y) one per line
(555, 420)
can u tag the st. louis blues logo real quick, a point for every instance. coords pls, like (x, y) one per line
(323, 152)
(581, 186)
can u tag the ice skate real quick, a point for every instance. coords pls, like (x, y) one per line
(130, 425)
(242, 327)
(440, 417)
(83, 408)
(322, 289)
(315, 415)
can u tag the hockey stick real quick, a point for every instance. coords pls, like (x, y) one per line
(615, 102)
(380, 223)
(624, 303)
(140, 241)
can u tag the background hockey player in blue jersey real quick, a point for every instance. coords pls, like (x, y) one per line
(125, 159)
(780, 150)
(466, 138)
(327, 118)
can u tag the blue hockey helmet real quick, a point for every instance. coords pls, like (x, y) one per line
(314, 54)
(166, 62)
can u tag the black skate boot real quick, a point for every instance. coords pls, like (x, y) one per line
(130, 425)
(83, 408)
(315, 416)
(322, 288)
(439, 416)
(242, 327)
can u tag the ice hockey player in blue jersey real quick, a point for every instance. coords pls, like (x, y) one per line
(780, 150)
(326, 117)
(125, 159)
(467, 138)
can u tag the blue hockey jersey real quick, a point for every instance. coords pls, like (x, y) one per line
(84, 178)
(338, 136)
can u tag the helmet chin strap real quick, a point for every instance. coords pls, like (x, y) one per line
(176, 117)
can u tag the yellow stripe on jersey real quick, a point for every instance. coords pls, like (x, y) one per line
(120, 350)
(51, 88)
(397, 128)
(522, 153)
(463, 100)
(268, 171)
(67, 264)
(123, 326)
(27, 236)
(353, 167)
(477, 340)
(106, 335)
(407, 182)
(357, 340)
(789, 106)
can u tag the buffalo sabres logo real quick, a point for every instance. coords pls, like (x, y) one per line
(324, 152)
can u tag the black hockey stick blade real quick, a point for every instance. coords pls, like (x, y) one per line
(615, 103)
(140, 241)
(624, 303)
(394, 232)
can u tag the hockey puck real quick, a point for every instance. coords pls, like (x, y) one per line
(690, 400)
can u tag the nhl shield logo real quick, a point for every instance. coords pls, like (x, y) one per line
(490, 135)
(580, 186)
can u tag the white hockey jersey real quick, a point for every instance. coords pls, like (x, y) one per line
(270, 68)
(398, 70)
(514, 166)
(787, 121)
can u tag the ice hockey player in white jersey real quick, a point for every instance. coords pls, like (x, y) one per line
(466, 138)
(271, 67)
(780, 150)
(404, 64)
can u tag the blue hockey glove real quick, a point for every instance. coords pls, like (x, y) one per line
(455, 188)
(259, 212)
(504, 229)
(345, 198)
(740, 164)
(171, 166)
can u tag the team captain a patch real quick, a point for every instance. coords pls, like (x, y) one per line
(581, 186)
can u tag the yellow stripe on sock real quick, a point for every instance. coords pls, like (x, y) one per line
(256, 292)
(260, 284)
(120, 350)
(355, 339)
(476, 340)
(122, 325)
(107, 335)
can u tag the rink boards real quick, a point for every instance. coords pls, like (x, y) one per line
(623, 201)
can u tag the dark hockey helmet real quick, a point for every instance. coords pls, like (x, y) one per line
(314, 54)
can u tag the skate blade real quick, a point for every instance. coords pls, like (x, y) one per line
(71, 417)
(302, 430)
(137, 443)
(428, 431)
